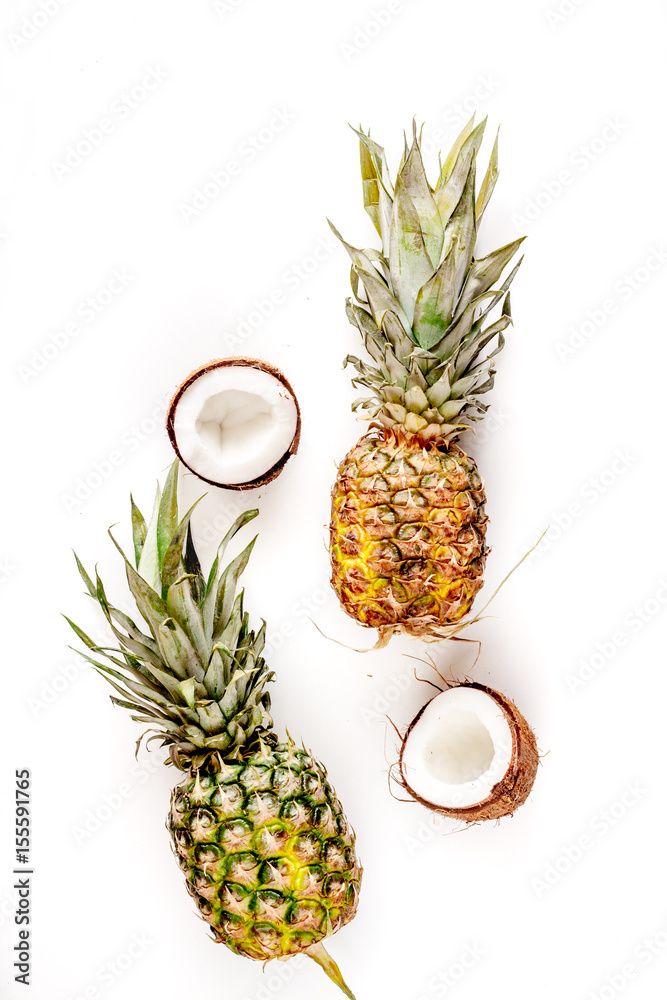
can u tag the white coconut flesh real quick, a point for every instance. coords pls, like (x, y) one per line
(234, 423)
(458, 749)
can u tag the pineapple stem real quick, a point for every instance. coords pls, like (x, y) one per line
(319, 954)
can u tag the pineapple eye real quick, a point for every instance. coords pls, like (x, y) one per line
(285, 780)
(321, 815)
(182, 840)
(262, 806)
(334, 855)
(408, 531)
(235, 833)
(227, 796)
(423, 606)
(385, 550)
(255, 778)
(297, 813)
(307, 847)
(310, 782)
(409, 498)
(207, 854)
(399, 593)
(335, 888)
(383, 513)
(181, 802)
(202, 821)
(431, 481)
(414, 569)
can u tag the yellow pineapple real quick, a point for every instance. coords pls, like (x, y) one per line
(408, 523)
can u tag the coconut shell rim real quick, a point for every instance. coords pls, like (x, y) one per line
(244, 362)
(524, 752)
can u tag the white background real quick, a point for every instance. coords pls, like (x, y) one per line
(555, 901)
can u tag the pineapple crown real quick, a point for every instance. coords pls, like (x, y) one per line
(198, 678)
(421, 303)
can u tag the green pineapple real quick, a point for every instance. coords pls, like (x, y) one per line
(267, 852)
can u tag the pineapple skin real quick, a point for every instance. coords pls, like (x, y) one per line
(267, 852)
(407, 533)
(408, 524)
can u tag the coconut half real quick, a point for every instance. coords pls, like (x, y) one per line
(235, 422)
(469, 754)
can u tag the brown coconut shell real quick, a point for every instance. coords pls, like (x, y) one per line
(263, 366)
(512, 790)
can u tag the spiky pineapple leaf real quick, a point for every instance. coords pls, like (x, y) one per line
(177, 651)
(485, 271)
(150, 604)
(416, 185)
(210, 717)
(175, 675)
(86, 579)
(187, 689)
(377, 186)
(172, 562)
(449, 192)
(145, 646)
(435, 303)
(168, 515)
(149, 561)
(460, 232)
(183, 607)
(453, 154)
(488, 184)
(409, 261)
(214, 678)
(360, 260)
(139, 530)
(381, 300)
(227, 588)
(244, 518)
